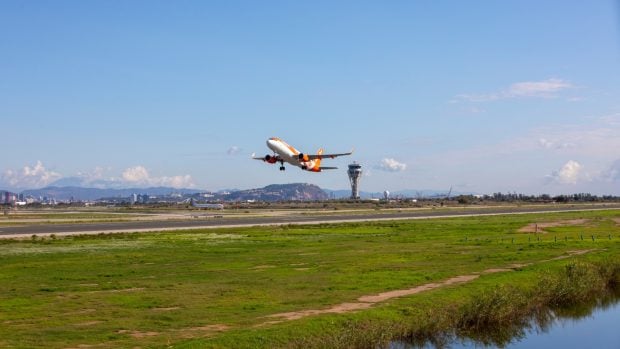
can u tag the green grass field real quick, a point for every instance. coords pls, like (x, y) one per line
(219, 287)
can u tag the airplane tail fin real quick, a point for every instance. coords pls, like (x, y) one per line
(318, 161)
(316, 166)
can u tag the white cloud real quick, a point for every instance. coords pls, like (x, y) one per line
(594, 138)
(181, 181)
(95, 175)
(568, 174)
(139, 175)
(546, 88)
(30, 177)
(597, 139)
(476, 97)
(234, 150)
(391, 165)
(547, 144)
(515, 162)
(549, 88)
(38, 176)
(612, 173)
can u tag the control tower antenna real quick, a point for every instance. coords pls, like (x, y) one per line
(355, 174)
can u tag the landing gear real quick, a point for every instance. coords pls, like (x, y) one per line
(282, 168)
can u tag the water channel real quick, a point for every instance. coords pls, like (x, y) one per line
(593, 326)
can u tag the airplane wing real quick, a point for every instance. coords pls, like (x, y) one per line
(323, 156)
(267, 158)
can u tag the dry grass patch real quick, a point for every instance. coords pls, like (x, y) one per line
(139, 334)
(540, 227)
(166, 309)
(201, 331)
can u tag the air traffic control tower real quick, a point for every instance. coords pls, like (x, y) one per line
(355, 174)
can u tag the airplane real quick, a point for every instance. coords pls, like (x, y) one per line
(283, 152)
(207, 206)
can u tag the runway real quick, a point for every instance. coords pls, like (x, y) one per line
(223, 222)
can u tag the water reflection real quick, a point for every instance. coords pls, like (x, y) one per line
(548, 327)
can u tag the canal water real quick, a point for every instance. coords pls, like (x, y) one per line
(596, 326)
(601, 329)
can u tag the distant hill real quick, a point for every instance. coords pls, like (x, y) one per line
(81, 182)
(274, 192)
(278, 192)
(86, 194)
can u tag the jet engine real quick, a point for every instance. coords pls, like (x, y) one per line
(303, 157)
(270, 159)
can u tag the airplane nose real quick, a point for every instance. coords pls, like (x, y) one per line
(271, 144)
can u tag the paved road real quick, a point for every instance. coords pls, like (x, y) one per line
(211, 222)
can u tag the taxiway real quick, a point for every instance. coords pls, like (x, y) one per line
(220, 221)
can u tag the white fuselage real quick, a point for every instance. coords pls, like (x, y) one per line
(288, 153)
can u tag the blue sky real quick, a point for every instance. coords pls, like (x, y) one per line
(483, 96)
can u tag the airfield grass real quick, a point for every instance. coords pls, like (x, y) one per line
(218, 287)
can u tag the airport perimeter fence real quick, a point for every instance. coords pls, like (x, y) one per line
(537, 238)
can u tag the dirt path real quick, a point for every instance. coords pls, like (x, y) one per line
(540, 227)
(368, 301)
(186, 333)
